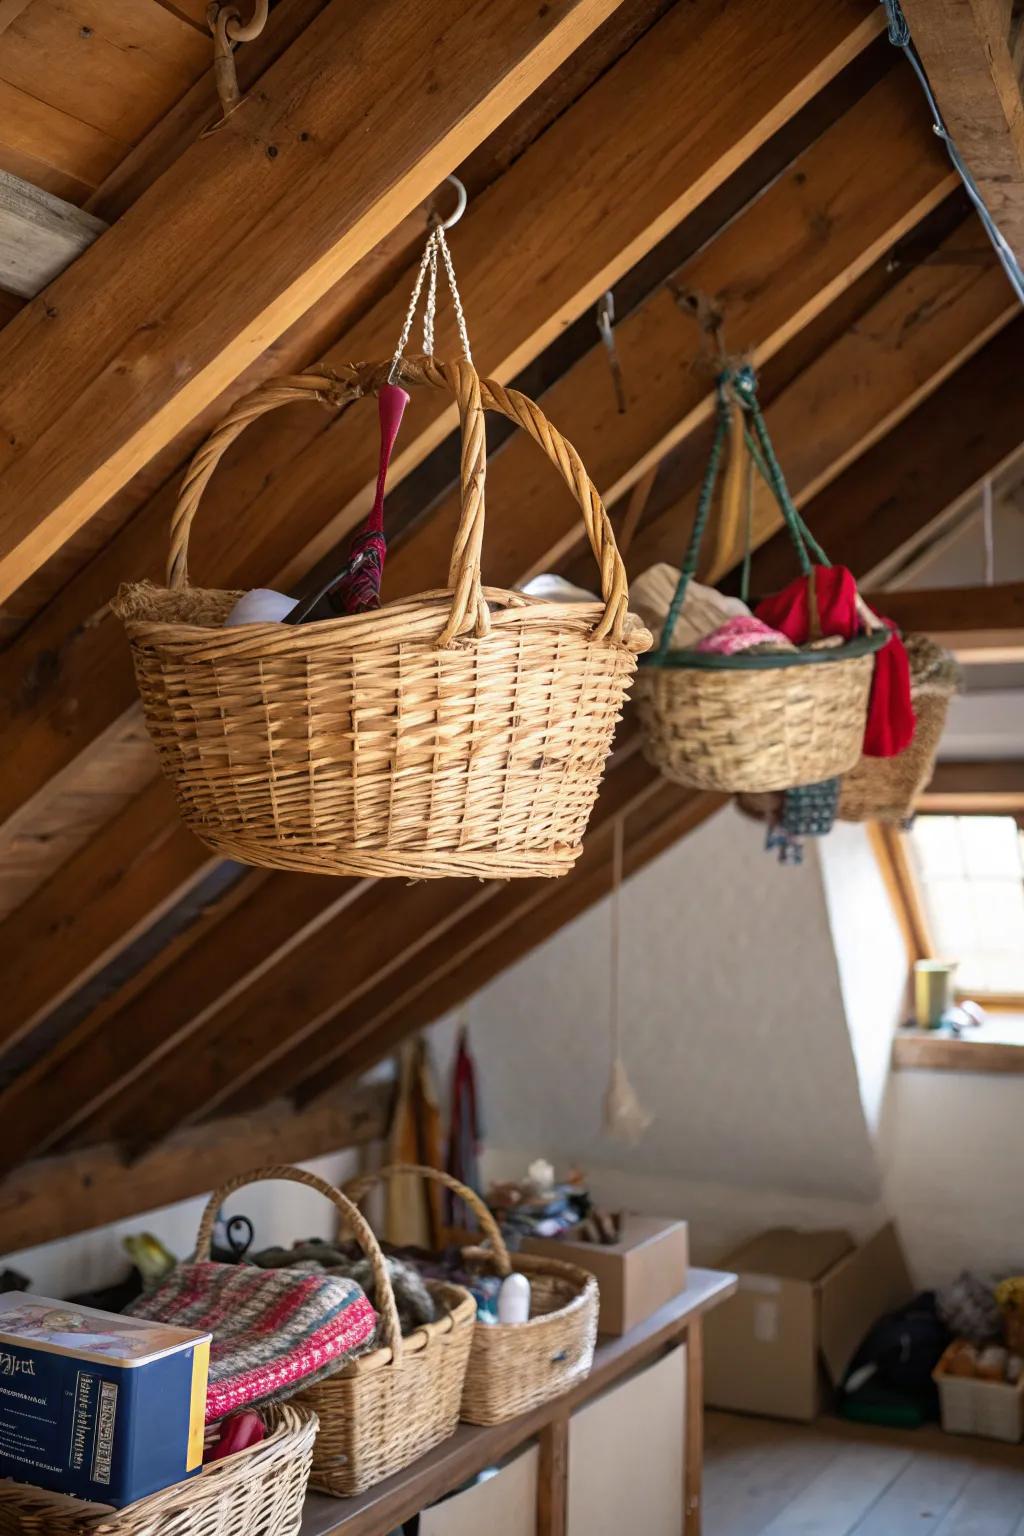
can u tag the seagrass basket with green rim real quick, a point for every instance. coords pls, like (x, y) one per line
(514, 1367)
(763, 721)
(461, 731)
(257, 1492)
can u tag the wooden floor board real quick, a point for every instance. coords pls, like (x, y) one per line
(991, 1504)
(844, 1490)
(920, 1497)
(832, 1478)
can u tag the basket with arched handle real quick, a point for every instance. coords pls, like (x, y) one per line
(257, 1492)
(462, 731)
(514, 1367)
(387, 1407)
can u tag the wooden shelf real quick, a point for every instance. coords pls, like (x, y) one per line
(470, 1450)
(977, 1051)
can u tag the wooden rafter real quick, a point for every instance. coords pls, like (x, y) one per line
(966, 47)
(975, 623)
(990, 786)
(830, 186)
(59, 1196)
(130, 363)
(948, 445)
(859, 388)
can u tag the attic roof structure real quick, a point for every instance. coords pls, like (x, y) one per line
(755, 175)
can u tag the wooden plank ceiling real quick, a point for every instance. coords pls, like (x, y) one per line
(768, 163)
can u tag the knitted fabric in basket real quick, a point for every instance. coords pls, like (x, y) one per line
(274, 1331)
(457, 732)
(258, 1492)
(394, 1401)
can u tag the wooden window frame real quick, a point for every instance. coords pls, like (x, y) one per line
(928, 1049)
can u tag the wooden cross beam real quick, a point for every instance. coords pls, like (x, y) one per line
(979, 624)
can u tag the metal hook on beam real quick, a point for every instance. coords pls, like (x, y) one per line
(226, 24)
(461, 203)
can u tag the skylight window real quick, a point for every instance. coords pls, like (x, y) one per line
(970, 873)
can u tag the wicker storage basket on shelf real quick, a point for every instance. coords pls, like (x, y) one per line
(459, 732)
(385, 1408)
(753, 722)
(258, 1492)
(886, 788)
(517, 1366)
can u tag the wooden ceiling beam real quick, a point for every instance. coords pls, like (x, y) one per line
(94, 906)
(966, 47)
(978, 624)
(533, 253)
(862, 386)
(60, 1196)
(949, 444)
(822, 224)
(355, 941)
(101, 372)
(990, 787)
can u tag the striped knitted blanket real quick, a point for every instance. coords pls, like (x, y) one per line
(274, 1331)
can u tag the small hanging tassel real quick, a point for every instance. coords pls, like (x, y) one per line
(625, 1119)
(359, 589)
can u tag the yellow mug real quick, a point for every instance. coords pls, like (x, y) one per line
(933, 991)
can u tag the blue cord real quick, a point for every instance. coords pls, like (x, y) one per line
(899, 36)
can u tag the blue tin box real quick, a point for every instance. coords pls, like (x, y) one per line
(95, 1405)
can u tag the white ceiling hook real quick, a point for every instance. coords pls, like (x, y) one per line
(460, 207)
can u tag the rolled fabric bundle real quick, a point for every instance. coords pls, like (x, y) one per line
(704, 609)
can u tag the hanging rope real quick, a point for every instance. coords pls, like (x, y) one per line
(988, 531)
(436, 248)
(625, 1118)
(225, 22)
(899, 36)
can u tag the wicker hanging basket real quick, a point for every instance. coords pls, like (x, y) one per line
(459, 732)
(517, 1366)
(886, 788)
(753, 722)
(383, 1409)
(258, 1492)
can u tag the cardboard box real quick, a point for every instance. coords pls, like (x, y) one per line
(646, 1268)
(804, 1304)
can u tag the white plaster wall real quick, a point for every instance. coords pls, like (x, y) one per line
(734, 1032)
(764, 1053)
(954, 1146)
(93, 1259)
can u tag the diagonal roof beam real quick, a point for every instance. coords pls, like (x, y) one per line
(242, 235)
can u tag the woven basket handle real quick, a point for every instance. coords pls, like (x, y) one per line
(391, 1329)
(357, 1188)
(473, 395)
